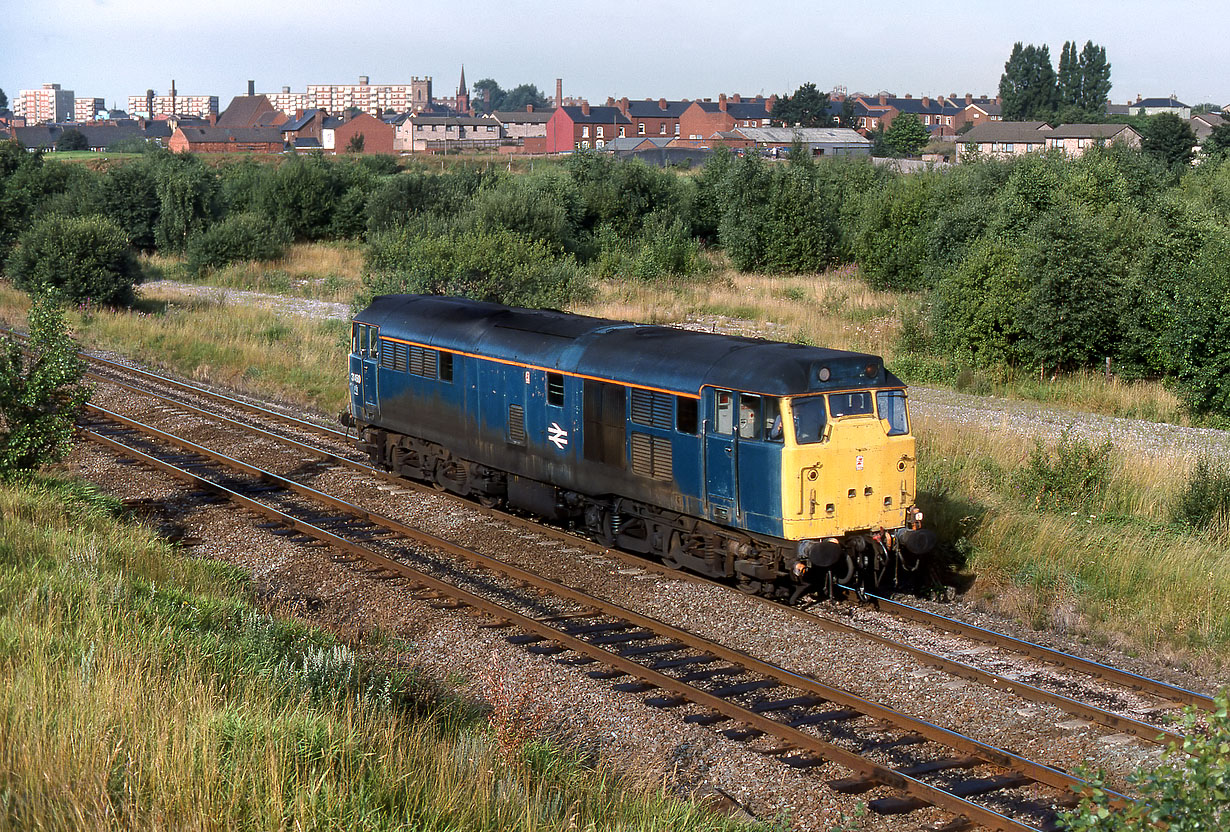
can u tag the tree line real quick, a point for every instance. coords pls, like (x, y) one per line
(1032, 90)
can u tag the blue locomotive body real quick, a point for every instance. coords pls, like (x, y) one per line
(655, 439)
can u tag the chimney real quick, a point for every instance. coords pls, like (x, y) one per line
(213, 119)
(559, 92)
(883, 99)
(610, 101)
(909, 95)
(623, 105)
(969, 99)
(661, 103)
(285, 90)
(722, 102)
(149, 103)
(251, 88)
(363, 79)
(768, 105)
(1138, 99)
(585, 107)
(926, 101)
(529, 108)
(999, 99)
(736, 98)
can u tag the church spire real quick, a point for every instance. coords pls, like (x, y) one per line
(461, 88)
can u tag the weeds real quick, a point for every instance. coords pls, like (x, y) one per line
(1204, 502)
(1073, 476)
(518, 711)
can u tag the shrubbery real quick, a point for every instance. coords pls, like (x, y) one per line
(1072, 477)
(238, 237)
(80, 258)
(501, 266)
(1188, 792)
(40, 392)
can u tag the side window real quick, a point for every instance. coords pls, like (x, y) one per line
(891, 404)
(354, 338)
(555, 389)
(724, 404)
(772, 420)
(749, 416)
(685, 414)
(446, 366)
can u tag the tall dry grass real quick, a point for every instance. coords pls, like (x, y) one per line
(321, 271)
(1116, 569)
(140, 690)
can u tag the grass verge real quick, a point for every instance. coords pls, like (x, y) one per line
(143, 690)
(1093, 552)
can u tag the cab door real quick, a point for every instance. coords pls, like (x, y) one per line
(364, 361)
(721, 461)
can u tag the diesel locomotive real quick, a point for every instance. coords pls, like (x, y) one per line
(783, 468)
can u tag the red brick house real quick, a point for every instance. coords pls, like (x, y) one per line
(377, 135)
(584, 127)
(652, 119)
(226, 140)
(702, 119)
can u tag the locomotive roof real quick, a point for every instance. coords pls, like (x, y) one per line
(665, 358)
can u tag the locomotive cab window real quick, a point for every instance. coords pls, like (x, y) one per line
(891, 406)
(810, 418)
(749, 416)
(850, 404)
(772, 420)
(724, 416)
(555, 389)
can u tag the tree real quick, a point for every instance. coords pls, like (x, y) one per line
(847, 117)
(521, 96)
(80, 258)
(808, 107)
(1095, 78)
(72, 139)
(1069, 80)
(1170, 140)
(355, 145)
(488, 97)
(41, 392)
(1186, 793)
(4, 100)
(906, 135)
(1028, 86)
(1217, 146)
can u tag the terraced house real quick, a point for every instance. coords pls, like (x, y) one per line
(584, 127)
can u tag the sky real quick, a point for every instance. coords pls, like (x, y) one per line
(668, 48)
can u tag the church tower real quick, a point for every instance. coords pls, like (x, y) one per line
(463, 95)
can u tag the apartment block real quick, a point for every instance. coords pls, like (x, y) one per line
(85, 109)
(49, 104)
(172, 104)
(364, 96)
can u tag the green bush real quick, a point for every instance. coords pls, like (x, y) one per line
(40, 392)
(1204, 503)
(1188, 792)
(545, 206)
(501, 266)
(83, 259)
(301, 196)
(1071, 478)
(890, 240)
(238, 237)
(977, 305)
(188, 200)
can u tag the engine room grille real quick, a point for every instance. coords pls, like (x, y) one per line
(516, 424)
(394, 356)
(652, 409)
(651, 456)
(423, 362)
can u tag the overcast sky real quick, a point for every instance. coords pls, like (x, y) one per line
(670, 48)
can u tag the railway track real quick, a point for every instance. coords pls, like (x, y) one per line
(809, 753)
(1168, 696)
(926, 764)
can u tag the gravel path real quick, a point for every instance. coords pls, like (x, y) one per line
(305, 307)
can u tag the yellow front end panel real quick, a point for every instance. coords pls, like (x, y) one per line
(854, 472)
